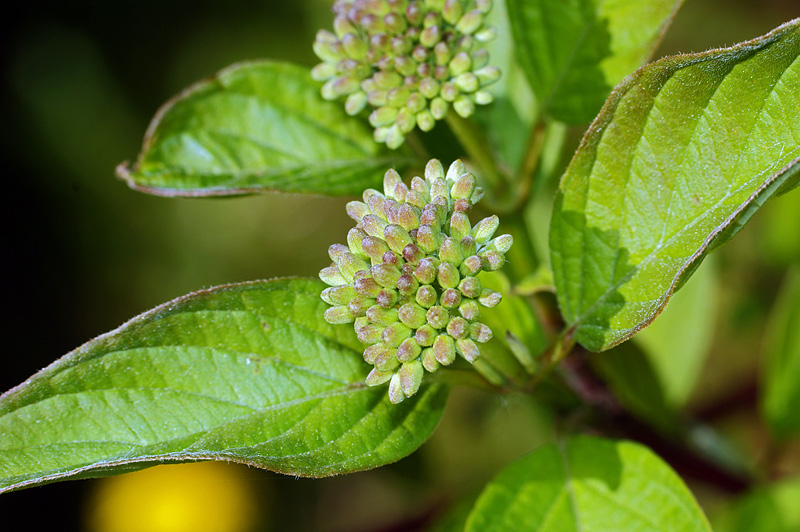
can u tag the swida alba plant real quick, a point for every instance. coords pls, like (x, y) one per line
(412, 109)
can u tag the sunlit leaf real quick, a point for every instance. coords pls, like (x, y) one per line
(255, 127)
(249, 373)
(586, 484)
(575, 51)
(681, 156)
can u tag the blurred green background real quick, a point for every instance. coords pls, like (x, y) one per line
(84, 253)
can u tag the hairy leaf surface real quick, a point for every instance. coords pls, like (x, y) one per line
(681, 156)
(574, 51)
(255, 127)
(249, 373)
(586, 484)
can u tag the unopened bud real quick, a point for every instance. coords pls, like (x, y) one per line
(411, 377)
(468, 349)
(428, 359)
(444, 349)
(448, 275)
(338, 315)
(489, 298)
(437, 317)
(394, 334)
(480, 332)
(409, 349)
(376, 378)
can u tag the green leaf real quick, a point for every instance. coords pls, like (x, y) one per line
(255, 127)
(768, 509)
(782, 371)
(586, 484)
(575, 51)
(681, 156)
(249, 373)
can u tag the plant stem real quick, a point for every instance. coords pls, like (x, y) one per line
(476, 146)
(533, 152)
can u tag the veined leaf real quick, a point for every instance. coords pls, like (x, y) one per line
(681, 156)
(586, 484)
(249, 373)
(782, 373)
(574, 51)
(255, 127)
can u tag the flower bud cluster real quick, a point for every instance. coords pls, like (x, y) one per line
(407, 277)
(408, 60)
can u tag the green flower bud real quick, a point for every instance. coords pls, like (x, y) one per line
(471, 265)
(382, 316)
(485, 229)
(430, 52)
(323, 72)
(502, 243)
(394, 334)
(411, 377)
(492, 260)
(452, 11)
(386, 275)
(470, 310)
(489, 298)
(426, 296)
(396, 394)
(338, 315)
(412, 315)
(480, 332)
(425, 335)
(470, 22)
(464, 106)
(470, 287)
(355, 103)
(332, 276)
(448, 275)
(428, 359)
(483, 97)
(338, 295)
(408, 350)
(467, 349)
(369, 334)
(376, 378)
(438, 108)
(444, 349)
(386, 298)
(407, 277)
(459, 226)
(450, 299)
(425, 120)
(386, 360)
(437, 317)
(358, 305)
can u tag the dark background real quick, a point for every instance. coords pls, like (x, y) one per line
(83, 253)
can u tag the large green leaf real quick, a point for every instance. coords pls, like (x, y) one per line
(254, 127)
(575, 51)
(249, 373)
(588, 484)
(768, 509)
(681, 156)
(782, 374)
